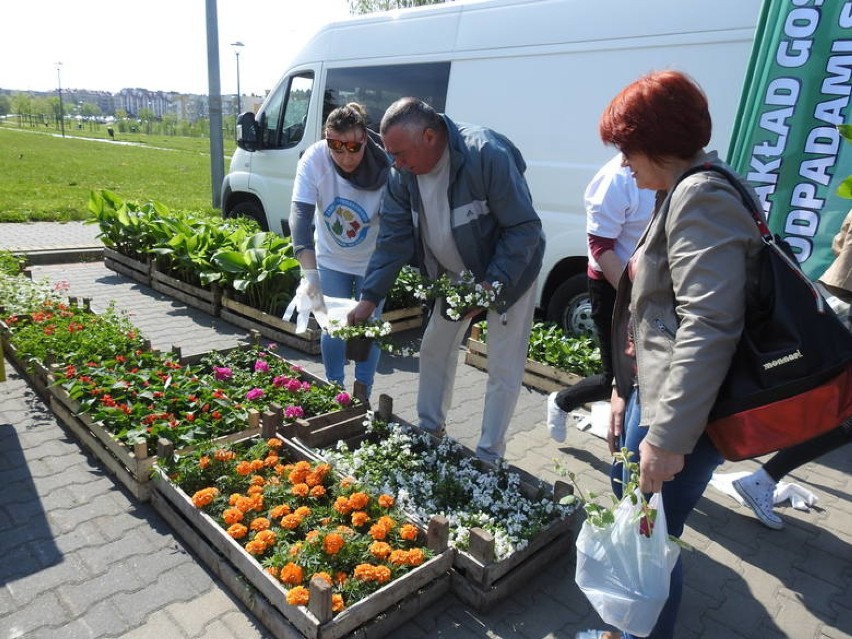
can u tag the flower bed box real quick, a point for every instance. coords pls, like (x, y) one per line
(479, 579)
(131, 465)
(136, 270)
(374, 616)
(536, 375)
(208, 300)
(269, 326)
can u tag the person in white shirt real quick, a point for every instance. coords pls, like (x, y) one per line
(339, 185)
(617, 212)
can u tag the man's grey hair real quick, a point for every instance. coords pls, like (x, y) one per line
(411, 113)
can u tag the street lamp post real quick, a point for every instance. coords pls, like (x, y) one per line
(59, 90)
(237, 48)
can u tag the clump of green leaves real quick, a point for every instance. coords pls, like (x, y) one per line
(10, 264)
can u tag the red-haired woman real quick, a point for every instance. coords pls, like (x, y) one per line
(681, 304)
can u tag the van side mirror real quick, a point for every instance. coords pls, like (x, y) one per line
(247, 131)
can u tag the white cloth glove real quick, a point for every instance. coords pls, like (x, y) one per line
(313, 289)
(800, 498)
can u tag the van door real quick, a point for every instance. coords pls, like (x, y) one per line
(282, 127)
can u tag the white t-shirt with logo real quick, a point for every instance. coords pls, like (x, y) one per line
(346, 218)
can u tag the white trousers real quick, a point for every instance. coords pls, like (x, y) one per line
(508, 344)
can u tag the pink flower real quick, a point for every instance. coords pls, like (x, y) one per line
(294, 411)
(280, 380)
(254, 393)
(271, 346)
(306, 386)
(344, 399)
(222, 373)
(293, 385)
(261, 366)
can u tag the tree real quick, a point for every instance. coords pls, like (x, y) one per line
(357, 7)
(5, 105)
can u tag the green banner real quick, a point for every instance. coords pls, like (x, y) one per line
(785, 141)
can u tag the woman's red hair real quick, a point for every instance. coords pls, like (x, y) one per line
(660, 115)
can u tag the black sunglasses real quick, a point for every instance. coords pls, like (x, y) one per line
(338, 146)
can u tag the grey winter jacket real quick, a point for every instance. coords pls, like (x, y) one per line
(496, 229)
(687, 301)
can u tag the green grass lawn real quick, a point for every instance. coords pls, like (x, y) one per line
(49, 178)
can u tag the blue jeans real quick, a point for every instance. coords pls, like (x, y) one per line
(679, 498)
(345, 285)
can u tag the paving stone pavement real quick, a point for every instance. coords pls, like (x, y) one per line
(82, 558)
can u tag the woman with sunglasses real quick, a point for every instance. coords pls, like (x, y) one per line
(333, 221)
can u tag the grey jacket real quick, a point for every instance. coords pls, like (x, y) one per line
(496, 229)
(687, 302)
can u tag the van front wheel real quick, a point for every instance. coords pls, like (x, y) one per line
(250, 209)
(570, 308)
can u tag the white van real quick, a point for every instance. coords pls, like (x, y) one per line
(538, 71)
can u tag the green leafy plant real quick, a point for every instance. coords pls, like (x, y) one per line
(550, 345)
(11, 264)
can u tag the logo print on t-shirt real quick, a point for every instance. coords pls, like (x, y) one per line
(347, 221)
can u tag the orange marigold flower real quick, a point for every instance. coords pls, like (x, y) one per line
(224, 455)
(266, 536)
(364, 572)
(380, 549)
(244, 503)
(243, 468)
(408, 532)
(312, 535)
(274, 443)
(232, 500)
(237, 531)
(256, 502)
(377, 531)
(398, 557)
(203, 462)
(360, 518)
(256, 465)
(299, 472)
(387, 522)
(313, 479)
(260, 523)
(291, 574)
(289, 522)
(332, 543)
(357, 501)
(204, 497)
(416, 557)
(382, 574)
(298, 596)
(340, 578)
(300, 490)
(255, 547)
(232, 515)
(277, 512)
(257, 480)
(254, 490)
(341, 505)
(271, 461)
(346, 482)
(385, 501)
(337, 602)
(280, 469)
(302, 511)
(317, 491)
(272, 571)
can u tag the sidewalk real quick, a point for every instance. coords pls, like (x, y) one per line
(83, 559)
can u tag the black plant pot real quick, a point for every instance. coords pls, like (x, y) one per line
(358, 348)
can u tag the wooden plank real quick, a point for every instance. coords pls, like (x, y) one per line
(292, 339)
(207, 300)
(533, 368)
(532, 381)
(134, 269)
(483, 598)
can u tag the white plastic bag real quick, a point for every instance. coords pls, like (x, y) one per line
(330, 308)
(624, 574)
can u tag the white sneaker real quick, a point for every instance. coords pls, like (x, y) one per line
(556, 418)
(758, 492)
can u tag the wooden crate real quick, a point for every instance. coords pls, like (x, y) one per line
(536, 375)
(403, 319)
(139, 271)
(130, 465)
(208, 299)
(374, 616)
(269, 326)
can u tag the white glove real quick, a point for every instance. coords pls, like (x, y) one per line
(312, 289)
